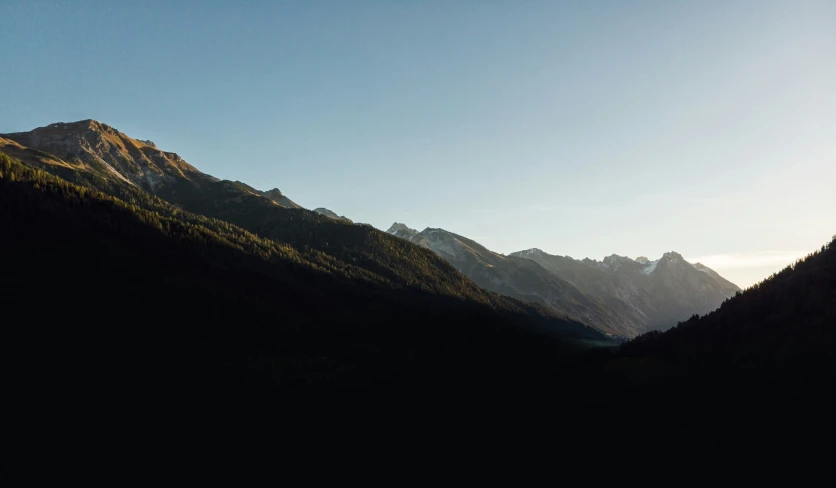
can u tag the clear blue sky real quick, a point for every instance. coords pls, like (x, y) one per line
(582, 128)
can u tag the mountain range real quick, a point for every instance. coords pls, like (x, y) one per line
(98, 157)
(656, 294)
(142, 297)
(620, 296)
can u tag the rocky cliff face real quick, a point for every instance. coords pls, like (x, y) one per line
(102, 150)
(92, 143)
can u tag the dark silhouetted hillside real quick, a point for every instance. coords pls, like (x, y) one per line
(126, 323)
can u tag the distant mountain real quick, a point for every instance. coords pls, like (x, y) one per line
(332, 215)
(619, 295)
(653, 294)
(518, 277)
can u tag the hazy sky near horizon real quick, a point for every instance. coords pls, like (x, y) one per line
(581, 128)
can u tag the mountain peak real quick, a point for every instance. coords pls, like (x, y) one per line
(615, 258)
(672, 256)
(401, 230)
(332, 215)
(277, 196)
(100, 147)
(86, 125)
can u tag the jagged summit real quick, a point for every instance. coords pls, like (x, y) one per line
(401, 230)
(615, 258)
(86, 124)
(534, 251)
(400, 226)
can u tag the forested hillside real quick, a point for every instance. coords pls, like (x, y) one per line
(96, 271)
(758, 371)
(95, 156)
